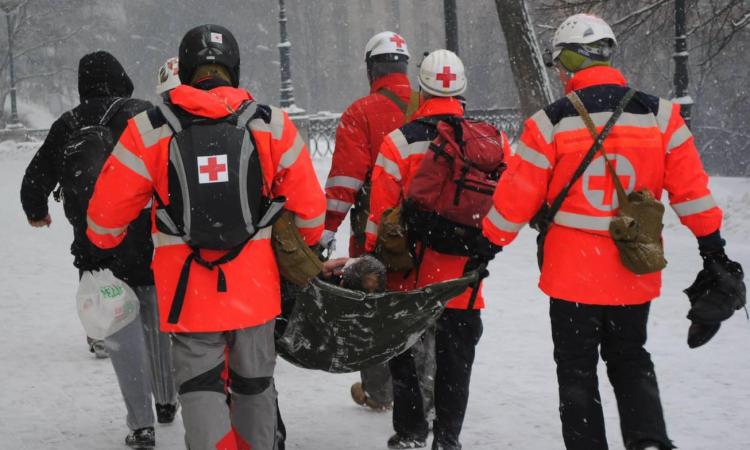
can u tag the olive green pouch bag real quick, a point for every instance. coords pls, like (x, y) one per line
(392, 246)
(636, 229)
(297, 262)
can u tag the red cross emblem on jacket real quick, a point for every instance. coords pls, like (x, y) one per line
(599, 185)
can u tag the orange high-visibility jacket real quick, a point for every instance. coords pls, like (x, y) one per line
(138, 168)
(651, 148)
(359, 134)
(400, 154)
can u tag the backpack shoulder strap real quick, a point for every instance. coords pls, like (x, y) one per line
(390, 95)
(174, 123)
(598, 142)
(246, 113)
(71, 121)
(412, 107)
(586, 117)
(113, 109)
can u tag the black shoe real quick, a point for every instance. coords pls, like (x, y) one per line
(398, 441)
(165, 412)
(436, 445)
(650, 445)
(141, 439)
(96, 346)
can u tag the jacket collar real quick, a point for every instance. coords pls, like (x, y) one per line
(595, 76)
(388, 81)
(439, 106)
(214, 103)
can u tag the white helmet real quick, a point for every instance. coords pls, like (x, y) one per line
(386, 42)
(168, 77)
(581, 29)
(442, 74)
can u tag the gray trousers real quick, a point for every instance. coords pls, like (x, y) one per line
(208, 366)
(378, 384)
(158, 348)
(140, 356)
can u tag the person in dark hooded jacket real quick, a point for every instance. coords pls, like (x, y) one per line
(101, 82)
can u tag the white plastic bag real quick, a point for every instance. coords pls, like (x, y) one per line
(106, 304)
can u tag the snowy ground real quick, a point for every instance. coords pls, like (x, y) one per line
(56, 395)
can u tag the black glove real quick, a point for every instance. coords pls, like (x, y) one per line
(484, 250)
(716, 293)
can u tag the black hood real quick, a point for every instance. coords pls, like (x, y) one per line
(101, 75)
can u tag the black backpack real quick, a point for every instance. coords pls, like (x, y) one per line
(215, 184)
(83, 156)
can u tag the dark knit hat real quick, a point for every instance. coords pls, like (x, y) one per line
(101, 75)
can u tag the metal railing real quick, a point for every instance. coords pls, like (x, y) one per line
(723, 151)
(321, 127)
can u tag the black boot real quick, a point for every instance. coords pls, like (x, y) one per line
(165, 412)
(438, 445)
(141, 439)
(398, 441)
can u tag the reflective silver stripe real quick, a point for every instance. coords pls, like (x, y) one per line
(600, 119)
(416, 148)
(263, 233)
(277, 123)
(664, 114)
(163, 239)
(259, 125)
(544, 125)
(164, 218)
(502, 223)
(98, 229)
(243, 121)
(309, 223)
(131, 161)
(696, 206)
(679, 137)
(290, 156)
(371, 227)
(149, 135)
(143, 123)
(173, 121)
(581, 221)
(337, 205)
(176, 159)
(246, 152)
(399, 140)
(344, 182)
(273, 211)
(532, 156)
(388, 166)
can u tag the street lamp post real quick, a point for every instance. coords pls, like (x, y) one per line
(8, 8)
(287, 90)
(680, 56)
(451, 25)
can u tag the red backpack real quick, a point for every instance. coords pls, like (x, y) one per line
(457, 177)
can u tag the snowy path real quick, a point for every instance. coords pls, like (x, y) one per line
(56, 395)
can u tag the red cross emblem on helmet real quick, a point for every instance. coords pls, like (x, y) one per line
(398, 40)
(446, 76)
